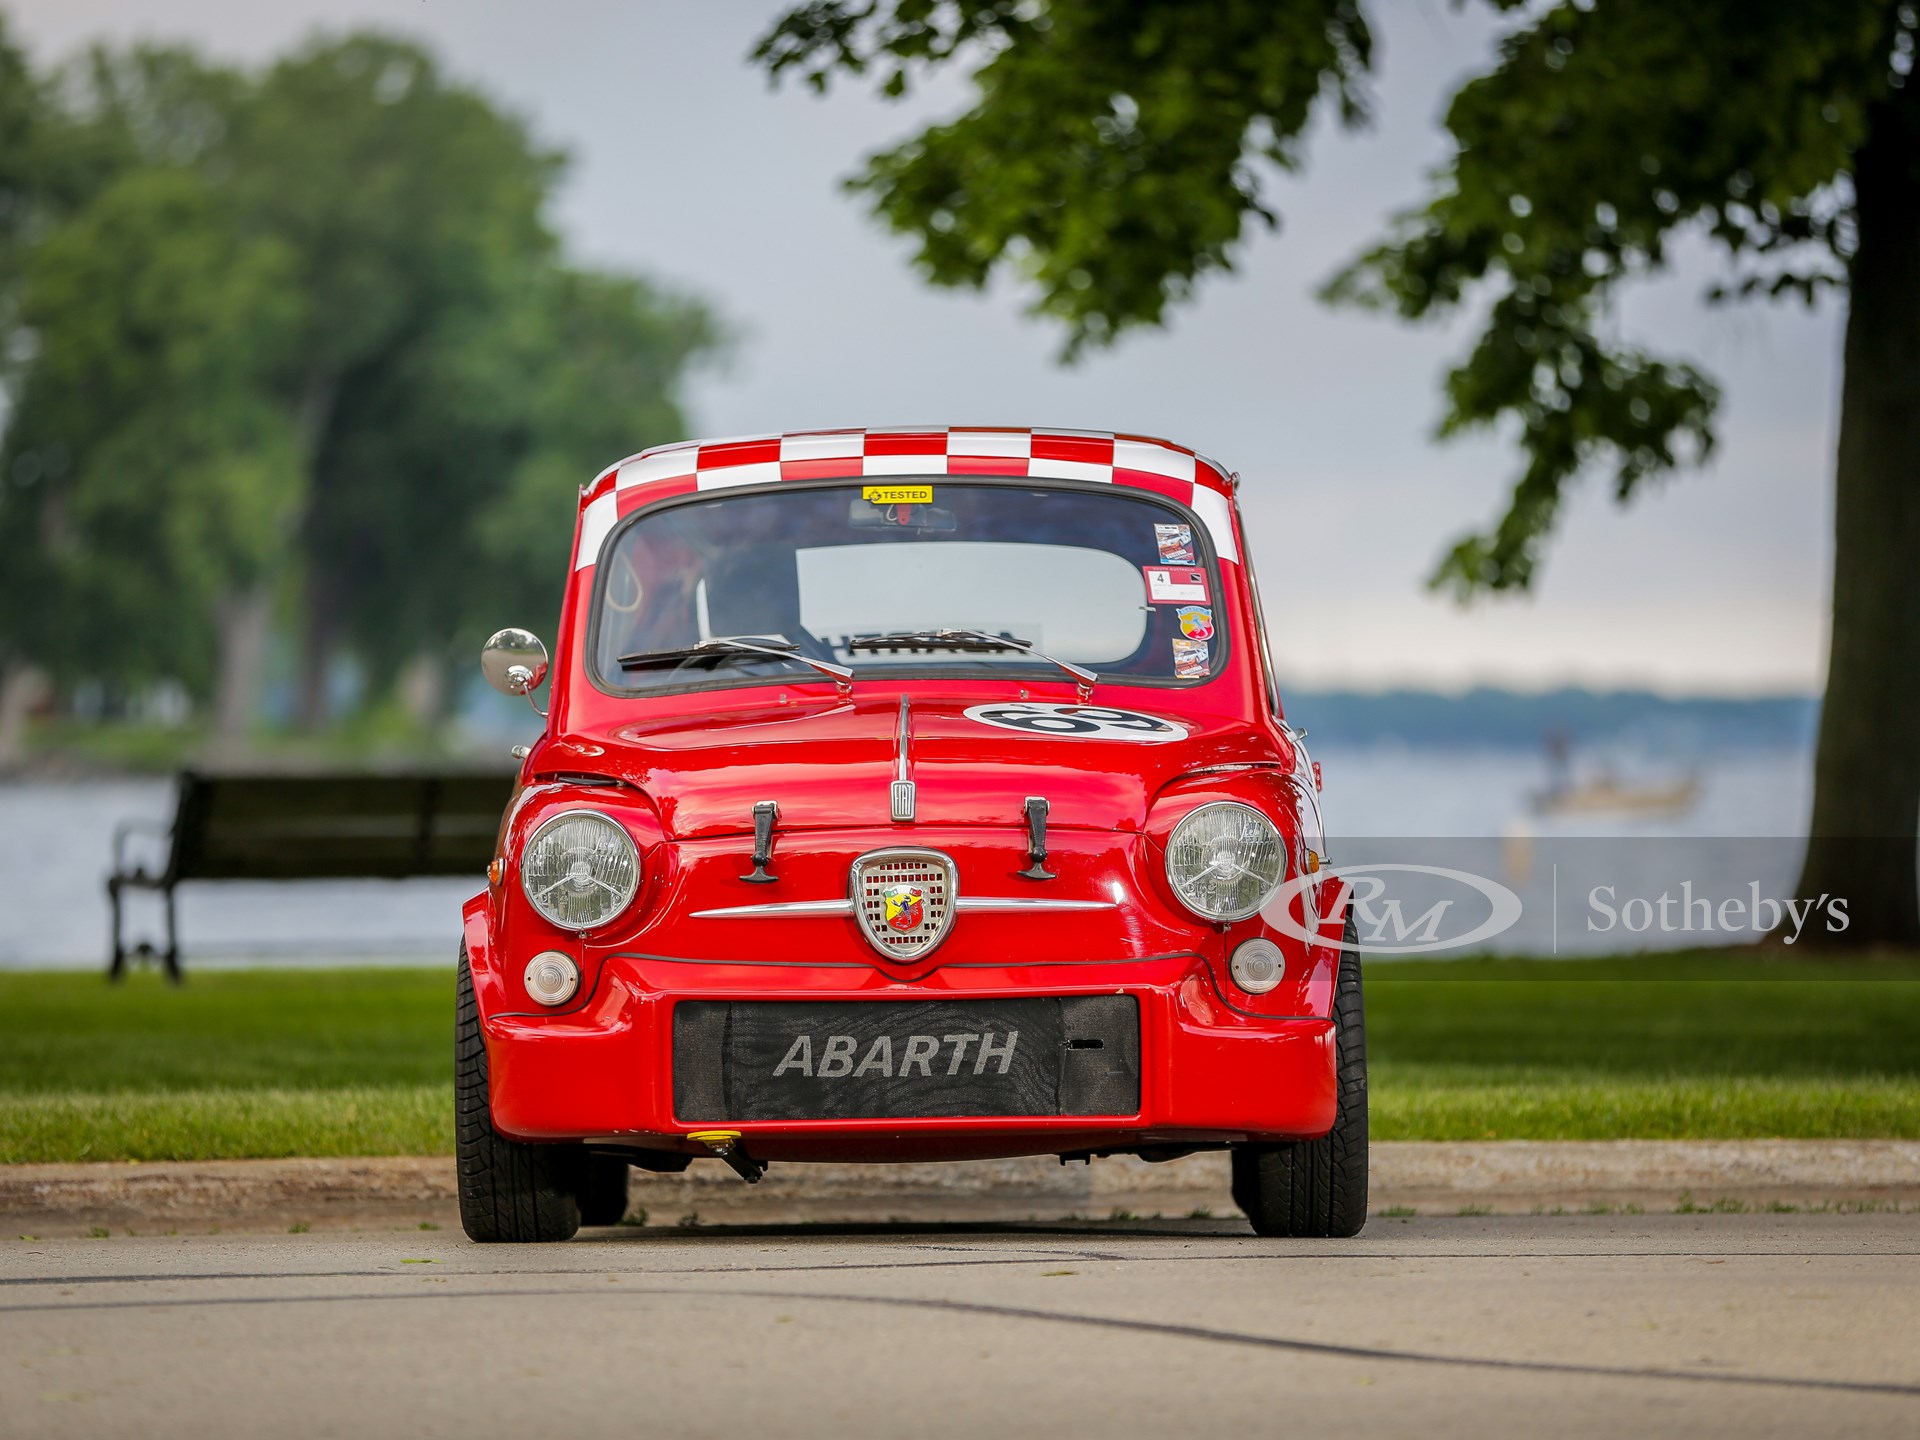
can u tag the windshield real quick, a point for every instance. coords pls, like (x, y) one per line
(934, 576)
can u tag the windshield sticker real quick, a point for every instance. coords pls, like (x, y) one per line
(1081, 722)
(1196, 622)
(1175, 585)
(1189, 659)
(1176, 544)
(897, 494)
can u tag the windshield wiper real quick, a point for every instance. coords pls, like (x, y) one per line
(976, 640)
(776, 647)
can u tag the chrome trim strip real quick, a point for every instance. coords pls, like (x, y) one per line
(1031, 902)
(775, 910)
(781, 909)
(901, 796)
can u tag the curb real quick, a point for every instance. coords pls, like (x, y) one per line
(1443, 1178)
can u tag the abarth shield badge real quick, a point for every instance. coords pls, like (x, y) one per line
(903, 900)
(905, 907)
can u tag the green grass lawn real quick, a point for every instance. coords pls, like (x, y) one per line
(357, 1062)
(1706, 1045)
(232, 1064)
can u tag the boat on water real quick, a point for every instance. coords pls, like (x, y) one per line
(1605, 793)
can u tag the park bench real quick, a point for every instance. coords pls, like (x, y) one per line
(360, 826)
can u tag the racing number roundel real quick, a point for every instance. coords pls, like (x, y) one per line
(1078, 722)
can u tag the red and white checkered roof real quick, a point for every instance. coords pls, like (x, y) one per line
(1086, 455)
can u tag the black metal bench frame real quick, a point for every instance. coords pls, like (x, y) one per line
(429, 849)
(140, 878)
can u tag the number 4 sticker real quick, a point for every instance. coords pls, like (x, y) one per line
(1175, 585)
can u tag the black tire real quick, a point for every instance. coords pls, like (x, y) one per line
(603, 1190)
(509, 1191)
(1318, 1187)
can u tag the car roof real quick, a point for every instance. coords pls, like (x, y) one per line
(1140, 461)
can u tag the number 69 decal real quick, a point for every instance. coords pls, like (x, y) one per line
(1078, 722)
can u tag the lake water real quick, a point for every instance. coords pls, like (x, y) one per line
(56, 844)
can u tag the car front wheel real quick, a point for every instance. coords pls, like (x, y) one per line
(1318, 1187)
(509, 1190)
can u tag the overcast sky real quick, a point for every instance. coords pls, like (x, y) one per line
(687, 167)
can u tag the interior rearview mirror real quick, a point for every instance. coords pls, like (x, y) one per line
(865, 515)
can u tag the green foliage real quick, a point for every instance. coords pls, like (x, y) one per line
(409, 201)
(19, 124)
(1600, 134)
(150, 458)
(1111, 157)
(304, 325)
(602, 355)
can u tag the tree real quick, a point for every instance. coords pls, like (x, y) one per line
(602, 358)
(159, 461)
(297, 346)
(147, 442)
(53, 163)
(457, 370)
(413, 208)
(20, 186)
(1113, 157)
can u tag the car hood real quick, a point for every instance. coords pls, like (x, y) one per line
(831, 764)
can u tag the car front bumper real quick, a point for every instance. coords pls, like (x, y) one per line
(1209, 1071)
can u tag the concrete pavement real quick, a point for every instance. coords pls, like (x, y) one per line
(1506, 1177)
(1750, 1325)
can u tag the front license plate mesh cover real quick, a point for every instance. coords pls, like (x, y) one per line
(883, 1060)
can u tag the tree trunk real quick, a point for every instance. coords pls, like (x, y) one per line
(23, 687)
(317, 638)
(244, 622)
(319, 630)
(1866, 799)
(422, 688)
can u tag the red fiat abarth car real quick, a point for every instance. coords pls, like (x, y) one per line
(908, 795)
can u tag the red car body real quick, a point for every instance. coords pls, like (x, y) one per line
(682, 774)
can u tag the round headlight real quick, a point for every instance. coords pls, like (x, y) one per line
(1224, 860)
(580, 869)
(552, 978)
(1257, 966)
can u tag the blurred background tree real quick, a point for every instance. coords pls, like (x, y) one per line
(153, 461)
(295, 354)
(1113, 156)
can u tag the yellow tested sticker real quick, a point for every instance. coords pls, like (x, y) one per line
(897, 494)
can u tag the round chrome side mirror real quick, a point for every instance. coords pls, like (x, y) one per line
(514, 661)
